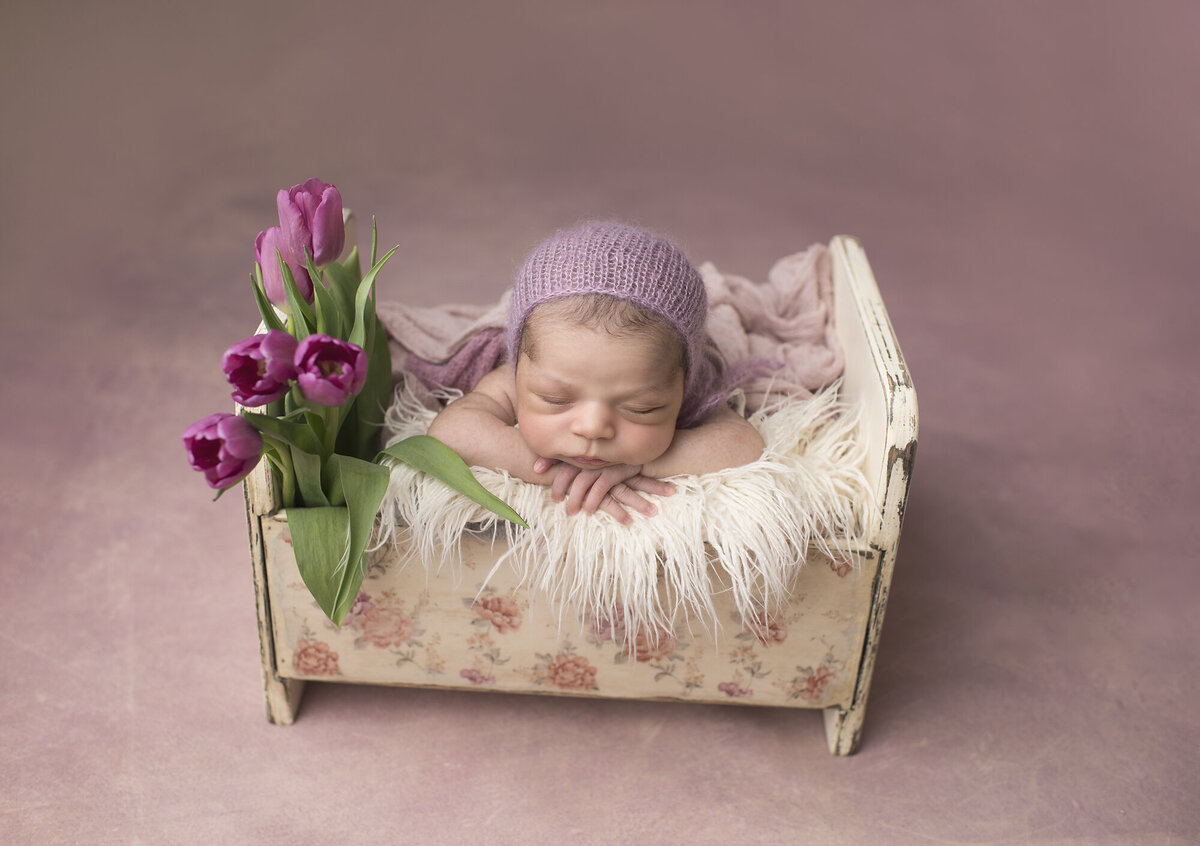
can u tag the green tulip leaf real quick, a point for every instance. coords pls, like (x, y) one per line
(319, 541)
(329, 318)
(363, 297)
(302, 313)
(431, 456)
(360, 428)
(362, 485)
(343, 283)
(346, 443)
(267, 311)
(314, 418)
(281, 429)
(330, 542)
(351, 264)
(307, 468)
(377, 391)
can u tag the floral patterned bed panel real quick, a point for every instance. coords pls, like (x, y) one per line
(443, 631)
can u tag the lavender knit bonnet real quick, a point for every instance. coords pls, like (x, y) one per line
(631, 264)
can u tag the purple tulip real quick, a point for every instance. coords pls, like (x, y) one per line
(265, 246)
(310, 216)
(260, 368)
(330, 371)
(224, 447)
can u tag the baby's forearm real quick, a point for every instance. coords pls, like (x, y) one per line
(483, 440)
(725, 440)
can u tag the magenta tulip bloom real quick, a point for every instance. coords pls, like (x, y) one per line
(224, 447)
(310, 216)
(260, 368)
(265, 246)
(330, 371)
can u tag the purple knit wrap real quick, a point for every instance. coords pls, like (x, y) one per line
(631, 264)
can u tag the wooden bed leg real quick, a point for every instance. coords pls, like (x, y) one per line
(843, 729)
(282, 695)
(283, 698)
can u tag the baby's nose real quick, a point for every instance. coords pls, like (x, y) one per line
(593, 420)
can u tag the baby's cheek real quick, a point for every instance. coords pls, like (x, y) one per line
(536, 434)
(666, 440)
(653, 442)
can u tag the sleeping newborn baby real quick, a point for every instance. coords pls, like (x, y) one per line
(610, 383)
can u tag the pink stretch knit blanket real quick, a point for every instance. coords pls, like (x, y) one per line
(789, 318)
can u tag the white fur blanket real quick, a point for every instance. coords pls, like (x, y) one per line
(753, 524)
(746, 529)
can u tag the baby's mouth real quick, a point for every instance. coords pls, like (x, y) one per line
(588, 462)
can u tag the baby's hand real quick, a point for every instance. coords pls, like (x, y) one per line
(611, 489)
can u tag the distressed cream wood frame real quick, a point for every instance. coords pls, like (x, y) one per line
(875, 378)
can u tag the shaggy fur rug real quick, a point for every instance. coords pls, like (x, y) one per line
(745, 529)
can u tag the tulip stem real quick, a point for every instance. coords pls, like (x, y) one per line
(332, 423)
(281, 457)
(288, 477)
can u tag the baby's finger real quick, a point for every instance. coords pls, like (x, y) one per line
(541, 465)
(562, 481)
(606, 481)
(615, 510)
(645, 484)
(595, 496)
(578, 491)
(629, 498)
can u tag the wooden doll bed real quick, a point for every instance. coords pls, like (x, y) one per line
(443, 631)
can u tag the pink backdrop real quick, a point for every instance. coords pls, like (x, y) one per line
(1024, 177)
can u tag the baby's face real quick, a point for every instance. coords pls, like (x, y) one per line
(593, 399)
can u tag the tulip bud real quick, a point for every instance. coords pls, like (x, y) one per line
(329, 370)
(310, 216)
(224, 447)
(266, 246)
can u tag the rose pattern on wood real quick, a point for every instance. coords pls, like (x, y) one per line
(405, 629)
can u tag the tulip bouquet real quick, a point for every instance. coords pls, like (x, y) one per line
(318, 378)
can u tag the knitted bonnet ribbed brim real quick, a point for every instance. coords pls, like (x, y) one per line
(631, 264)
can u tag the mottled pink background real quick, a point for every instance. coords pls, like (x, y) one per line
(1026, 181)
